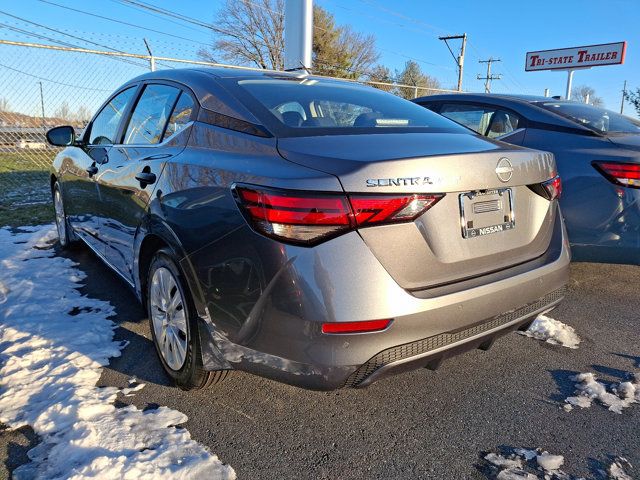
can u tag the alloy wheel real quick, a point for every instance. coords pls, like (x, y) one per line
(61, 223)
(169, 318)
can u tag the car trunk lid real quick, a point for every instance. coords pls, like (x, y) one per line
(489, 219)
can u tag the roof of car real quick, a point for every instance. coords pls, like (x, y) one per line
(484, 97)
(185, 74)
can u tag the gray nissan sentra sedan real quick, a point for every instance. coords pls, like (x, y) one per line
(313, 231)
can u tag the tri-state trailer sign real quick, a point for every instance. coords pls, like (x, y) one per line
(576, 57)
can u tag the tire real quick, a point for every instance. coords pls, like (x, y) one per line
(66, 237)
(174, 325)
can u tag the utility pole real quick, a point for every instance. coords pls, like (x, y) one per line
(487, 79)
(44, 126)
(624, 94)
(460, 58)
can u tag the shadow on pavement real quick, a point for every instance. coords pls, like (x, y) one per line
(16, 444)
(565, 384)
(140, 360)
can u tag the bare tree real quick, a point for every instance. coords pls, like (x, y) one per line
(4, 105)
(413, 75)
(380, 73)
(584, 93)
(82, 115)
(251, 32)
(633, 98)
(63, 111)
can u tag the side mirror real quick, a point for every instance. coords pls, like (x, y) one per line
(61, 136)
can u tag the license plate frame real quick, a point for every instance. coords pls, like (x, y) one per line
(475, 203)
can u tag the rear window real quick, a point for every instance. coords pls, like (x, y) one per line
(595, 118)
(302, 107)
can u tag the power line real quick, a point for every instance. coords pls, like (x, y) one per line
(53, 81)
(163, 11)
(69, 35)
(121, 22)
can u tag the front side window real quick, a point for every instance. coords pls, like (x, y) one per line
(150, 115)
(311, 106)
(502, 123)
(180, 116)
(485, 120)
(105, 126)
(473, 117)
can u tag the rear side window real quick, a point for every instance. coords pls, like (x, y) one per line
(489, 121)
(105, 126)
(181, 115)
(150, 115)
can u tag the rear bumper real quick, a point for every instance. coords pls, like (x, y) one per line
(429, 352)
(281, 337)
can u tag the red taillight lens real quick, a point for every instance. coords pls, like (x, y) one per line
(625, 174)
(355, 327)
(551, 189)
(297, 217)
(309, 218)
(380, 209)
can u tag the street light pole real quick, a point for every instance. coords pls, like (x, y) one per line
(298, 34)
(567, 95)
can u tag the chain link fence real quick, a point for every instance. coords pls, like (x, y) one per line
(45, 85)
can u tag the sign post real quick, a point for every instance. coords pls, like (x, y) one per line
(571, 59)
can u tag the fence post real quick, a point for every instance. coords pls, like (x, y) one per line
(415, 92)
(152, 60)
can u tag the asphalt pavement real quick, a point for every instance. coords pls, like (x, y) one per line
(423, 424)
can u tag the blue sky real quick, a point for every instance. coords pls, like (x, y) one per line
(404, 29)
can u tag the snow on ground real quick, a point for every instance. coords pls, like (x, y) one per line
(524, 464)
(552, 331)
(53, 343)
(617, 397)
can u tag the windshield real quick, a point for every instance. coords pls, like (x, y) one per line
(595, 118)
(301, 107)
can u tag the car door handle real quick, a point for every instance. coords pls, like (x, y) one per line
(92, 170)
(157, 156)
(146, 178)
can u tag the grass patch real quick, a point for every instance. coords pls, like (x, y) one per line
(25, 193)
(26, 215)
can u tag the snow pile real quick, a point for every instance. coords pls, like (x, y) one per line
(616, 398)
(523, 464)
(53, 343)
(552, 331)
(617, 470)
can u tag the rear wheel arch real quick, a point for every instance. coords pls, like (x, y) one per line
(156, 236)
(150, 244)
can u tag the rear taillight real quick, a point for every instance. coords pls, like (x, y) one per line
(380, 209)
(309, 218)
(625, 174)
(551, 189)
(355, 327)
